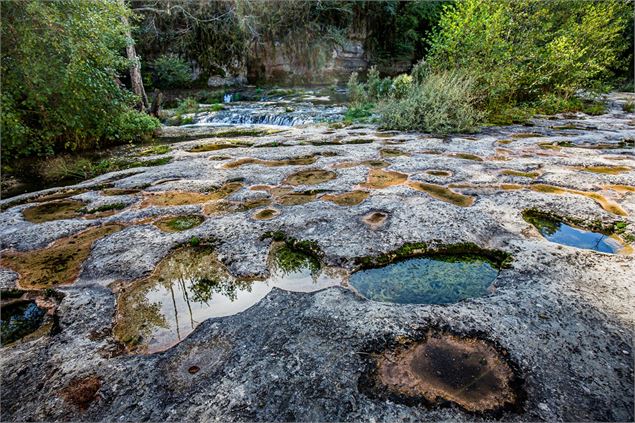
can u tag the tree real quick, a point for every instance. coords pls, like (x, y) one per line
(60, 87)
(527, 50)
(135, 64)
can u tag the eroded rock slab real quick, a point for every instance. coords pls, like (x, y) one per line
(560, 317)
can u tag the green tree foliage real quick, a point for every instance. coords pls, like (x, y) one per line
(170, 71)
(520, 51)
(60, 91)
(400, 29)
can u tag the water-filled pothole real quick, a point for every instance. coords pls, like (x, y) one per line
(19, 319)
(298, 161)
(439, 172)
(367, 163)
(120, 191)
(375, 219)
(555, 230)
(266, 214)
(432, 279)
(606, 170)
(446, 368)
(202, 148)
(519, 173)
(466, 156)
(191, 285)
(182, 198)
(392, 152)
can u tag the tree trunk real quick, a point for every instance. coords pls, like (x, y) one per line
(135, 66)
(155, 108)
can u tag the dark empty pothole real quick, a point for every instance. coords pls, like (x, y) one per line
(417, 276)
(443, 369)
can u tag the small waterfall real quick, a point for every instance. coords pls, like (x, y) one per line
(263, 113)
(227, 98)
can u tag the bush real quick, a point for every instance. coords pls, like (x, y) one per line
(133, 126)
(401, 86)
(188, 105)
(377, 87)
(356, 90)
(170, 71)
(359, 112)
(444, 102)
(519, 51)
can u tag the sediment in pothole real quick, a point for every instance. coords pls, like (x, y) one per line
(445, 368)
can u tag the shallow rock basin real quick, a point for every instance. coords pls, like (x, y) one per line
(561, 233)
(191, 285)
(19, 319)
(468, 372)
(426, 280)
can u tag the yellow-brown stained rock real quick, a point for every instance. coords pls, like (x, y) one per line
(181, 198)
(380, 178)
(310, 177)
(468, 372)
(352, 198)
(607, 204)
(57, 264)
(606, 170)
(620, 188)
(442, 193)
(54, 210)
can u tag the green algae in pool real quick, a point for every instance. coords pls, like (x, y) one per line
(19, 319)
(191, 285)
(561, 233)
(426, 280)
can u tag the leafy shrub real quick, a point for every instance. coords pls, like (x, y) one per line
(170, 71)
(132, 125)
(356, 90)
(401, 86)
(189, 105)
(68, 167)
(444, 102)
(629, 107)
(377, 87)
(359, 112)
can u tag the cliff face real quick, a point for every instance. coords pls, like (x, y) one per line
(299, 60)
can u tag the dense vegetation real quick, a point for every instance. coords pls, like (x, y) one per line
(60, 89)
(504, 61)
